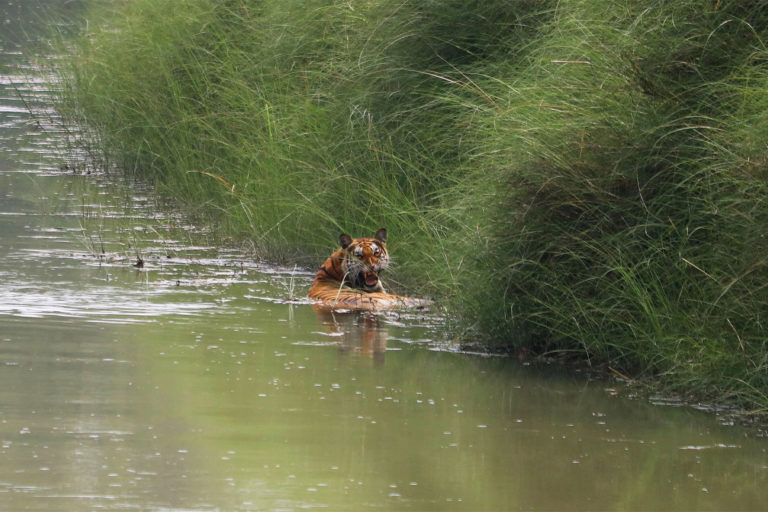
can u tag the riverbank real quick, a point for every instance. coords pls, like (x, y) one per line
(574, 177)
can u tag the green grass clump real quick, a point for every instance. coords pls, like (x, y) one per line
(573, 176)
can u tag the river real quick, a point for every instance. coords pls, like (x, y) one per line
(203, 382)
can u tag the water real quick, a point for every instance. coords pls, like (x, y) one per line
(198, 382)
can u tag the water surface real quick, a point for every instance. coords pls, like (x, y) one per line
(202, 381)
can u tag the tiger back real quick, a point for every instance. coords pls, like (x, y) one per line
(349, 278)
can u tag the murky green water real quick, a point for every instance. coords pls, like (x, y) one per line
(194, 384)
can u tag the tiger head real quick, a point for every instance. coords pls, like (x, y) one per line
(363, 259)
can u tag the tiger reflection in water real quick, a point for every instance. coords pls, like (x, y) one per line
(359, 333)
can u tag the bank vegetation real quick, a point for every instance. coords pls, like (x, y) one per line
(580, 177)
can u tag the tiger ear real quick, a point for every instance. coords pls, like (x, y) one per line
(345, 240)
(381, 235)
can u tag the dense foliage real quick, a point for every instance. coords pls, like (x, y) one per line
(584, 176)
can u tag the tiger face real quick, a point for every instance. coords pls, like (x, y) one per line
(364, 258)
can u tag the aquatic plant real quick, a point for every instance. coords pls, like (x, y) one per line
(583, 177)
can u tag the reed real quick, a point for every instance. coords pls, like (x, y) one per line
(583, 177)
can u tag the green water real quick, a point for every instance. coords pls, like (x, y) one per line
(203, 381)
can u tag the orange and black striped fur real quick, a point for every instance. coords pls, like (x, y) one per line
(349, 279)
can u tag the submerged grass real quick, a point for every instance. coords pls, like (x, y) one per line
(574, 176)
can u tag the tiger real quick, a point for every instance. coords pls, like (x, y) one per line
(349, 278)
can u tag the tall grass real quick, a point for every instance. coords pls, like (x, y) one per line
(573, 176)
